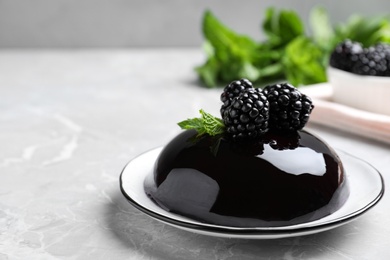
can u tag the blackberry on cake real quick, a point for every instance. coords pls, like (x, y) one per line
(247, 115)
(233, 90)
(289, 109)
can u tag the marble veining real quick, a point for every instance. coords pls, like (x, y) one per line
(69, 123)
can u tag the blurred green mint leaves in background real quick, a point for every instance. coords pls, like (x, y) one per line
(287, 53)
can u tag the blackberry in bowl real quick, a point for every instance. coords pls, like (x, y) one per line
(360, 77)
(272, 178)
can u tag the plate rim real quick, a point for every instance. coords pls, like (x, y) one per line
(254, 232)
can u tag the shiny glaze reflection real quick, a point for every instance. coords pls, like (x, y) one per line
(291, 162)
(272, 182)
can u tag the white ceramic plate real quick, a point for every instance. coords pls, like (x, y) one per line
(365, 183)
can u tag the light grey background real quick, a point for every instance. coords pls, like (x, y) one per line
(145, 23)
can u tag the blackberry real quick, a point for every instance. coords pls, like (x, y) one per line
(247, 115)
(233, 90)
(383, 47)
(345, 55)
(373, 61)
(352, 57)
(289, 109)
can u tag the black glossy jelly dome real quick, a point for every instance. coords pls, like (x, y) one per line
(276, 181)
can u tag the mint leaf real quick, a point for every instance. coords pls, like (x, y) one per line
(208, 72)
(194, 123)
(367, 30)
(225, 41)
(321, 28)
(282, 27)
(229, 54)
(303, 62)
(291, 25)
(212, 124)
(206, 124)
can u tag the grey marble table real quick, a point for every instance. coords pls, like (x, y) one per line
(71, 120)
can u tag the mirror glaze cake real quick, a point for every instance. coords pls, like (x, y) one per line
(267, 183)
(255, 167)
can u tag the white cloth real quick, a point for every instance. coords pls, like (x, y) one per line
(356, 121)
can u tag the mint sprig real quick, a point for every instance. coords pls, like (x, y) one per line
(206, 124)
